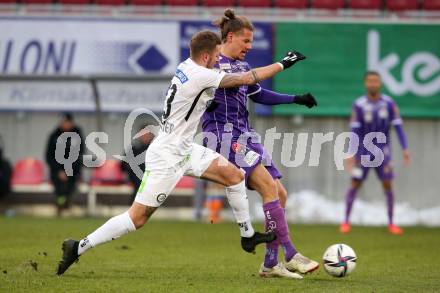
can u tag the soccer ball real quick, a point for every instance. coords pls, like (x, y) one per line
(339, 260)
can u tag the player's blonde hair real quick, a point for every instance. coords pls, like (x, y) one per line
(202, 42)
(230, 22)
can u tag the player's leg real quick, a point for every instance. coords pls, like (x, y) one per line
(299, 262)
(210, 165)
(271, 255)
(156, 186)
(282, 192)
(359, 174)
(261, 180)
(386, 175)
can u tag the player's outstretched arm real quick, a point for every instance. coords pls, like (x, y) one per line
(267, 97)
(261, 73)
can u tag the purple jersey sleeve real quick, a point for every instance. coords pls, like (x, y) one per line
(356, 127)
(398, 125)
(267, 97)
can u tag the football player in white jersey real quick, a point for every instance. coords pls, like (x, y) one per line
(174, 154)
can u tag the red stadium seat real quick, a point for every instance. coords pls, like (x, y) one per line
(7, 1)
(328, 4)
(399, 5)
(108, 174)
(110, 2)
(186, 182)
(182, 2)
(431, 4)
(146, 2)
(74, 2)
(28, 171)
(365, 4)
(219, 3)
(255, 3)
(291, 3)
(37, 1)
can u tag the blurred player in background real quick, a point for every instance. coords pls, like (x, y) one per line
(174, 154)
(215, 197)
(228, 117)
(64, 185)
(374, 112)
(5, 172)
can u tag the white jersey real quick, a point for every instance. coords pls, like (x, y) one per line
(191, 88)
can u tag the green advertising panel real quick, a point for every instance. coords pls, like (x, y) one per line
(338, 54)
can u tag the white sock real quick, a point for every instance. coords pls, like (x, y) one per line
(239, 203)
(112, 229)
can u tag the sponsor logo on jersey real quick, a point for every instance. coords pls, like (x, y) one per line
(251, 158)
(181, 76)
(238, 148)
(225, 66)
(161, 197)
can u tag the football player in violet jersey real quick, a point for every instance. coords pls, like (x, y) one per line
(374, 112)
(227, 117)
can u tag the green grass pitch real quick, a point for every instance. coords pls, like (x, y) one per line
(196, 257)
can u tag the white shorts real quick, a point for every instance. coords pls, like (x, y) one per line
(158, 182)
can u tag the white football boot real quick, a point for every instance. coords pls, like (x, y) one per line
(278, 271)
(302, 264)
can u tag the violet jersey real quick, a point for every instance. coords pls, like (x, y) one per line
(230, 119)
(231, 114)
(374, 116)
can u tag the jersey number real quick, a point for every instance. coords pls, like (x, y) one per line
(169, 99)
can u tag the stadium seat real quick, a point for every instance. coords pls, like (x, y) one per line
(399, 5)
(255, 3)
(108, 174)
(219, 3)
(328, 4)
(186, 182)
(146, 2)
(365, 4)
(74, 2)
(110, 2)
(28, 171)
(291, 4)
(37, 1)
(7, 1)
(431, 4)
(182, 2)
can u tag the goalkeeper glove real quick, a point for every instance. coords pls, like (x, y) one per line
(307, 99)
(291, 58)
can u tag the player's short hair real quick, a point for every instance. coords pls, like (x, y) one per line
(230, 22)
(371, 72)
(203, 42)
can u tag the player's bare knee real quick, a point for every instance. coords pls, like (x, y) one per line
(268, 190)
(387, 186)
(356, 184)
(234, 176)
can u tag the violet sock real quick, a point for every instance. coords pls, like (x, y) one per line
(390, 205)
(349, 199)
(276, 221)
(271, 256)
